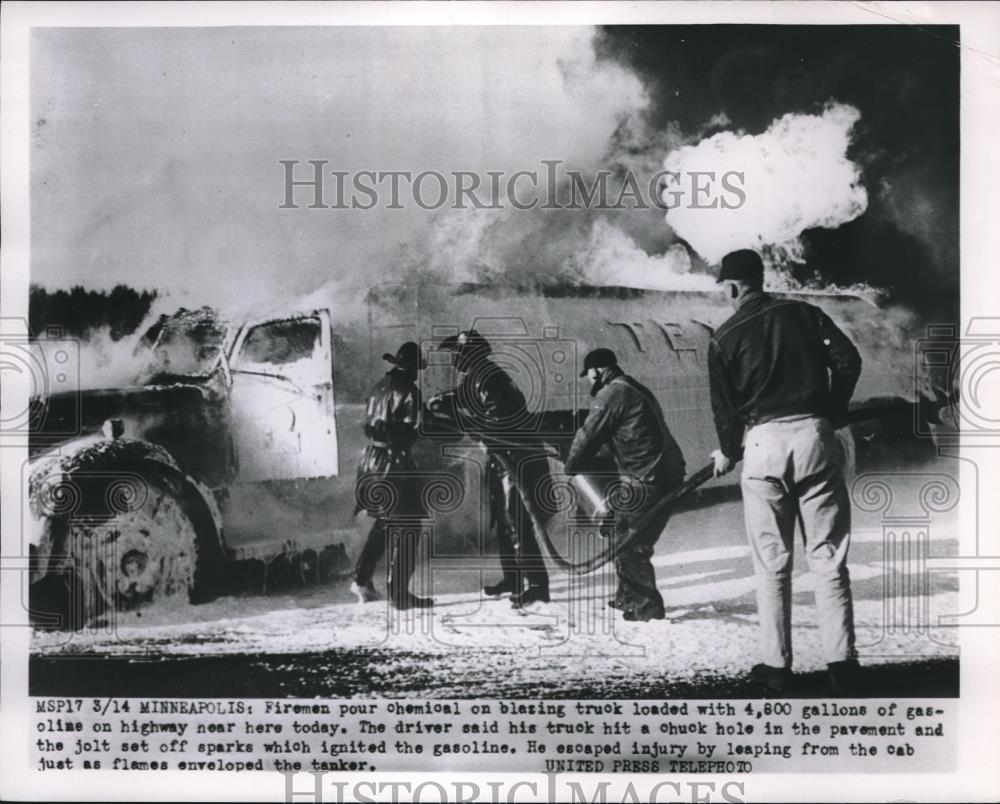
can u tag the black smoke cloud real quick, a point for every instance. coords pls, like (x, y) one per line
(905, 82)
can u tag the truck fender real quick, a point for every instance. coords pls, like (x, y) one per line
(54, 490)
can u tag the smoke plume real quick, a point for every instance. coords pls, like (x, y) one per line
(546, 248)
(176, 184)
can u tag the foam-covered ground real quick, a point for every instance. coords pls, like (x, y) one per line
(321, 640)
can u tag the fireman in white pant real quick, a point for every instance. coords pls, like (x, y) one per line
(793, 475)
(780, 371)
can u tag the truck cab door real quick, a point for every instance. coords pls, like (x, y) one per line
(282, 399)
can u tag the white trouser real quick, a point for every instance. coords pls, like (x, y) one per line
(793, 469)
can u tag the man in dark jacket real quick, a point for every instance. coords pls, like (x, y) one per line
(491, 408)
(386, 485)
(626, 418)
(783, 371)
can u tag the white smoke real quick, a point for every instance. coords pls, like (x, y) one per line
(507, 247)
(796, 176)
(611, 257)
(105, 362)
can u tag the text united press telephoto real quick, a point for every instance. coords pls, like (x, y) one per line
(529, 411)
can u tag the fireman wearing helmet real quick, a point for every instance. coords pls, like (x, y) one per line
(391, 424)
(490, 407)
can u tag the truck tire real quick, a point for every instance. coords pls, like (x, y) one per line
(142, 551)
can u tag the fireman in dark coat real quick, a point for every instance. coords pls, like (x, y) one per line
(491, 408)
(392, 420)
(626, 419)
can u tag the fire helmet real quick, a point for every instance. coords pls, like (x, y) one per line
(407, 357)
(467, 347)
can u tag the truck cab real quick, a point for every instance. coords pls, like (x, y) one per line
(154, 489)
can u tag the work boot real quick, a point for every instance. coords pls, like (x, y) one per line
(775, 679)
(505, 587)
(844, 678)
(371, 554)
(634, 616)
(408, 600)
(533, 594)
(365, 591)
(620, 600)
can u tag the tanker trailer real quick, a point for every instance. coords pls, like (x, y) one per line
(540, 335)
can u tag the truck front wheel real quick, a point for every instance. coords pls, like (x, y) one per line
(143, 553)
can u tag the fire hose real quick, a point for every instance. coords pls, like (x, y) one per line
(926, 409)
(635, 528)
(690, 484)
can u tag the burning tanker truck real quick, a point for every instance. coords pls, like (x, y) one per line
(229, 465)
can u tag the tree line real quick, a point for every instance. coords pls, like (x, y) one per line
(78, 310)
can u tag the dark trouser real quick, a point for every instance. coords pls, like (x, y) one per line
(405, 544)
(371, 553)
(520, 556)
(637, 594)
(381, 466)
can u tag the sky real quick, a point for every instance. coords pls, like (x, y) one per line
(155, 153)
